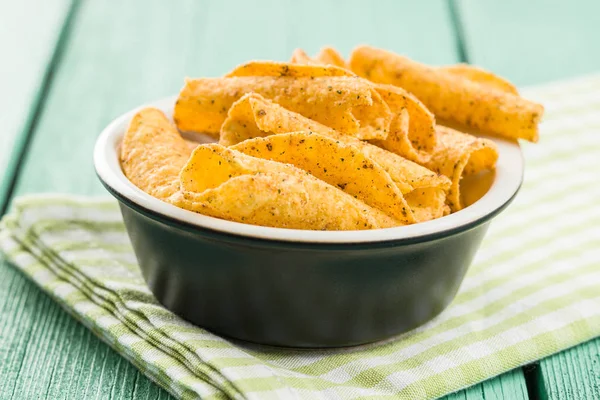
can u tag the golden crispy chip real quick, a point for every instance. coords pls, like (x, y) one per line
(336, 163)
(282, 201)
(374, 117)
(244, 122)
(475, 186)
(299, 56)
(153, 153)
(424, 183)
(405, 173)
(481, 76)
(301, 70)
(451, 97)
(203, 103)
(412, 131)
(254, 116)
(411, 136)
(427, 203)
(458, 154)
(329, 55)
(227, 184)
(374, 120)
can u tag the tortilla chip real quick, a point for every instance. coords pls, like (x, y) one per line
(411, 136)
(427, 203)
(329, 55)
(458, 154)
(203, 104)
(299, 56)
(153, 153)
(244, 123)
(274, 68)
(412, 131)
(374, 117)
(227, 184)
(451, 97)
(374, 120)
(482, 77)
(336, 163)
(404, 172)
(254, 116)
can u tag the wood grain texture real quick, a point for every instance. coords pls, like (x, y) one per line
(532, 41)
(121, 54)
(27, 44)
(573, 374)
(510, 385)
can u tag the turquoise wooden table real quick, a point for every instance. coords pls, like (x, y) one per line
(68, 67)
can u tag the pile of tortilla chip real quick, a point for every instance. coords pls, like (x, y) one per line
(322, 143)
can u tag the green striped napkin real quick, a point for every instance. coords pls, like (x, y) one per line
(533, 289)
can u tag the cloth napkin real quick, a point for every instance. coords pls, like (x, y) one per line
(533, 289)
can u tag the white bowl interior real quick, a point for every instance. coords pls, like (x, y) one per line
(506, 181)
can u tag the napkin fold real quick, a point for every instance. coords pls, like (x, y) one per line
(533, 289)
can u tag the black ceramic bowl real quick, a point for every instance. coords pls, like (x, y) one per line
(300, 288)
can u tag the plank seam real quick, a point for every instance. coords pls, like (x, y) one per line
(535, 389)
(459, 32)
(135, 380)
(38, 105)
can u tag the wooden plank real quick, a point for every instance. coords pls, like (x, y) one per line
(121, 54)
(27, 44)
(532, 41)
(572, 374)
(510, 385)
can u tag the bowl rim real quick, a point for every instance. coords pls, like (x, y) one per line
(507, 181)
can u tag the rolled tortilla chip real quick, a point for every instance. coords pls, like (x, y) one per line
(374, 118)
(458, 154)
(293, 70)
(412, 131)
(450, 96)
(299, 56)
(336, 163)
(244, 122)
(227, 184)
(481, 76)
(203, 104)
(329, 55)
(427, 203)
(153, 153)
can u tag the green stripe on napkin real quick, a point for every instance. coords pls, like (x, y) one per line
(533, 289)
